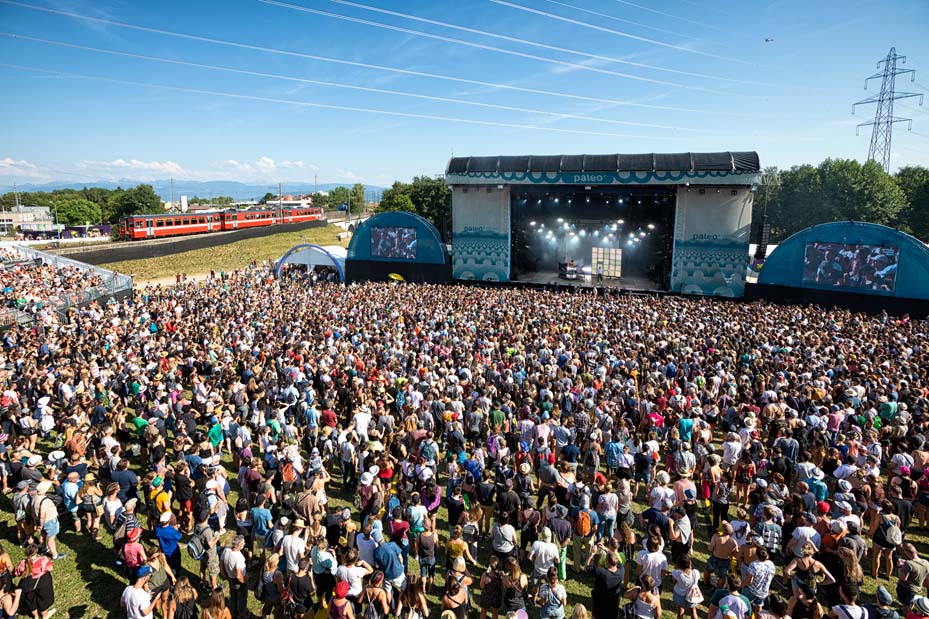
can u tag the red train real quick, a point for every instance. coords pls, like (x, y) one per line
(138, 227)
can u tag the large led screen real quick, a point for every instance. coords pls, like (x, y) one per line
(393, 243)
(866, 267)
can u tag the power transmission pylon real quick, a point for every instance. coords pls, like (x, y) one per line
(884, 118)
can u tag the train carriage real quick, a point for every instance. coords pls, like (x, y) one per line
(138, 227)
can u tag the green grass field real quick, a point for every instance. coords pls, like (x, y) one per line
(88, 584)
(228, 257)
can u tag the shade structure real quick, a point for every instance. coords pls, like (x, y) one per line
(314, 255)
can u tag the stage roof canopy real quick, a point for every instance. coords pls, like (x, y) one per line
(648, 162)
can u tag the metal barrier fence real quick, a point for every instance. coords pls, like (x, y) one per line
(113, 283)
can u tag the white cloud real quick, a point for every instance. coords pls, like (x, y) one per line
(235, 166)
(15, 169)
(300, 165)
(14, 163)
(265, 164)
(346, 176)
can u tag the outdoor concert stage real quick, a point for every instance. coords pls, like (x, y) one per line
(551, 278)
(677, 222)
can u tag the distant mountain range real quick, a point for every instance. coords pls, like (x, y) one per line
(203, 189)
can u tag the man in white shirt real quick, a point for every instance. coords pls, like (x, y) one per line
(803, 534)
(136, 599)
(361, 421)
(543, 554)
(294, 545)
(233, 564)
(732, 449)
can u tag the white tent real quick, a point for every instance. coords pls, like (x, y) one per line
(314, 255)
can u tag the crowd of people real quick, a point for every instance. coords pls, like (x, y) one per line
(30, 284)
(412, 451)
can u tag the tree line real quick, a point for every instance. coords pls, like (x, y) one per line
(793, 199)
(843, 190)
(90, 205)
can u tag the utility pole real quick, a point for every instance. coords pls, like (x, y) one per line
(280, 201)
(884, 118)
(172, 194)
(316, 183)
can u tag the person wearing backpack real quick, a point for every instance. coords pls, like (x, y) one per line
(202, 547)
(584, 523)
(887, 535)
(24, 528)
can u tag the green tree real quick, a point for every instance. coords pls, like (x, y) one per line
(339, 196)
(401, 202)
(321, 199)
(265, 198)
(432, 199)
(76, 211)
(396, 198)
(856, 192)
(125, 202)
(914, 181)
(358, 198)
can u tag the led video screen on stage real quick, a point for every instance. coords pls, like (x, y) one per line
(866, 267)
(393, 243)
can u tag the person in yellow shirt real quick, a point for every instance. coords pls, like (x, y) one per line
(159, 498)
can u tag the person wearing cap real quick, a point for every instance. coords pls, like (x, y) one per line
(882, 607)
(169, 538)
(803, 534)
(132, 553)
(136, 599)
(341, 606)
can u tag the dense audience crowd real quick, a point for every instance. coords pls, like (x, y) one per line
(409, 451)
(30, 284)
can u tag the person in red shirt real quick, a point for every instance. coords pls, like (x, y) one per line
(328, 417)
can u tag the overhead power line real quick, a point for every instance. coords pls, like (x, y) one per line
(301, 80)
(327, 106)
(492, 48)
(364, 65)
(547, 46)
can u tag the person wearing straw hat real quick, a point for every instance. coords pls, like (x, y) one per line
(294, 544)
(31, 472)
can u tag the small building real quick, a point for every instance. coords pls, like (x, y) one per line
(36, 217)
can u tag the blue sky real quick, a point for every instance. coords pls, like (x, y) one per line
(489, 77)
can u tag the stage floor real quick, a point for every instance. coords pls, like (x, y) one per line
(551, 277)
